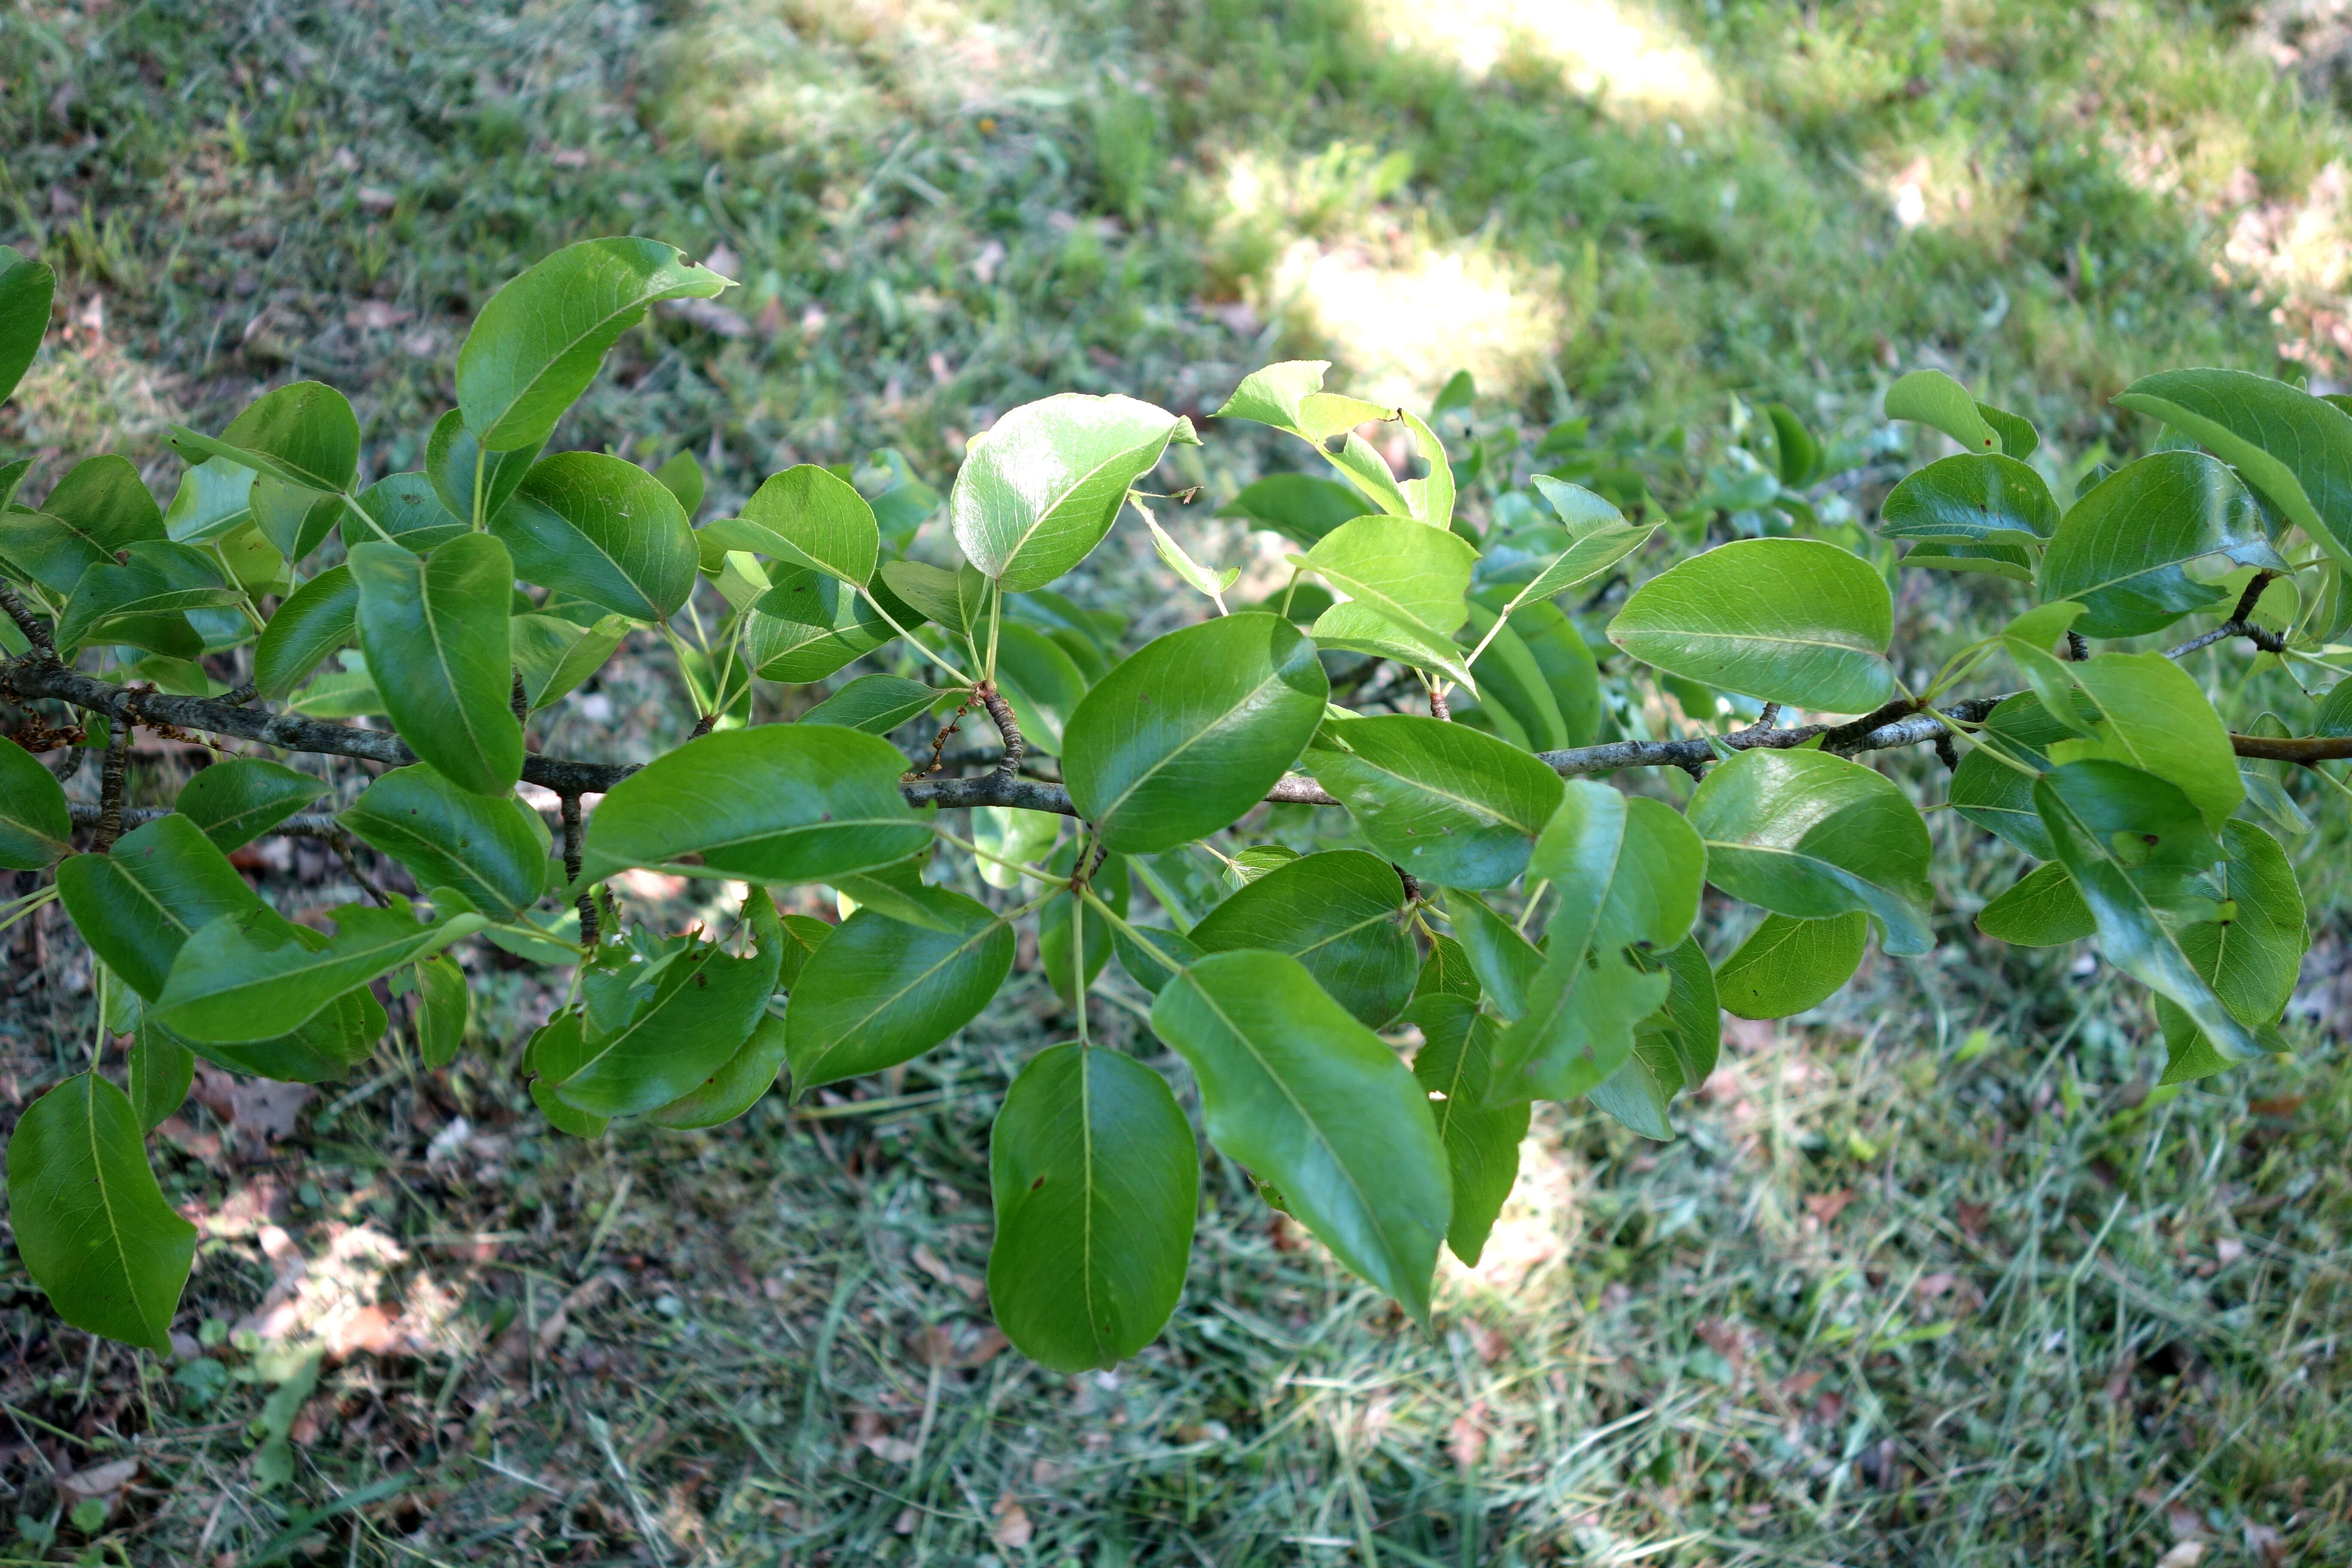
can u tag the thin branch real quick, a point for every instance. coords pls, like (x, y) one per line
(2307, 750)
(1007, 725)
(590, 930)
(301, 825)
(36, 630)
(2240, 624)
(109, 781)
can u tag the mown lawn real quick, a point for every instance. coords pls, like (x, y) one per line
(1933, 1276)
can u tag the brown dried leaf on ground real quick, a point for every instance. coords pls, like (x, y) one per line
(259, 1110)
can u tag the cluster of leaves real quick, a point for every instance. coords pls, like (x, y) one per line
(1469, 885)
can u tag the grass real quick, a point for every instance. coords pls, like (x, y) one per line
(1933, 1276)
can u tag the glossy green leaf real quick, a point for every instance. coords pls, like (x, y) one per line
(1626, 872)
(141, 602)
(214, 500)
(1974, 496)
(34, 826)
(2154, 717)
(2335, 715)
(1787, 966)
(247, 977)
(1151, 954)
(688, 1026)
(2251, 957)
(881, 992)
(1781, 620)
(316, 619)
(100, 506)
(1674, 1047)
(1809, 834)
(942, 596)
(1057, 930)
(1455, 1067)
(1187, 731)
(554, 1051)
(1505, 962)
(2294, 448)
(809, 625)
(877, 704)
(90, 1222)
(1341, 913)
(682, 477)
(1356, 627)
(138, 904)
(1447, 969)
(1567, 667)
(1581, 509)
(469, 482)
(596, 528)
(776, 803)
(535, 345)
(1095, 1178)
(2132, 936)
(303, 433)
(1931, 397)
(237, 799)
(435, 632)
(2044, 910)
(1042, 681)
(1316, 1106)
(555, 656)
(1796, 455)
(1449, 804)
(1042, 487)
(1513, 698)
(160, 1070)
(1404, 571)
(26, 289)
(738, 1085)
(1591, 554)
(491, 848)
(1011, 833)
(1299, 507)
(817, 520)
(2018, 439)
(294, 520)
(2150, 543)
(1997, 796)
(445, 1005)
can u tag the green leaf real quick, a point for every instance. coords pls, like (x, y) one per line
(2018, 439)
(881, 992)
(1197, 577)
(1455, 1065)
(247, 977)
(1041, 488)
(1626, 872)
(1447, 970)
(2294, 448)
(99, 507)
(26, 289)
(1095, 1179)
(1568, 669)
(2131, 935)
(1151, 954)
(1590, 555)
(938, 595)
(808, 626)
(682, 477)
(1356, 628)
(91, 1224)
(1781, 620)
(556, 655)
(491, 848)
(2149, 544)
(1796, 455)
(1314, 1104)
(1931, 397)
(695, 1016)
(1449, 804)
(1995, 795)
(237, 799)
(556, 1048)
(1809, 834)
(36, 827)
(776, 803)
(294, 521)
(435, 632)
(214, 500)
(1011, 833)
(1401, 570)
(1185, 733)
(877, 704)
(2253, 957)
(1582, 512)
(1691, 1022)
(141, 602)
(1787, 966)
(136, 905)
(1299, 507)
(817, 520)
(445, 1005)
(1512, 691)
(161, 1069)
(2335, 715)
(1341, 913)
(2154, 717)
(458, 466)
(303, 433)
(596, 528)
(535, 345)
(738, 1085)
(1974, 496)
(2044, 909)
(1504, 962)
